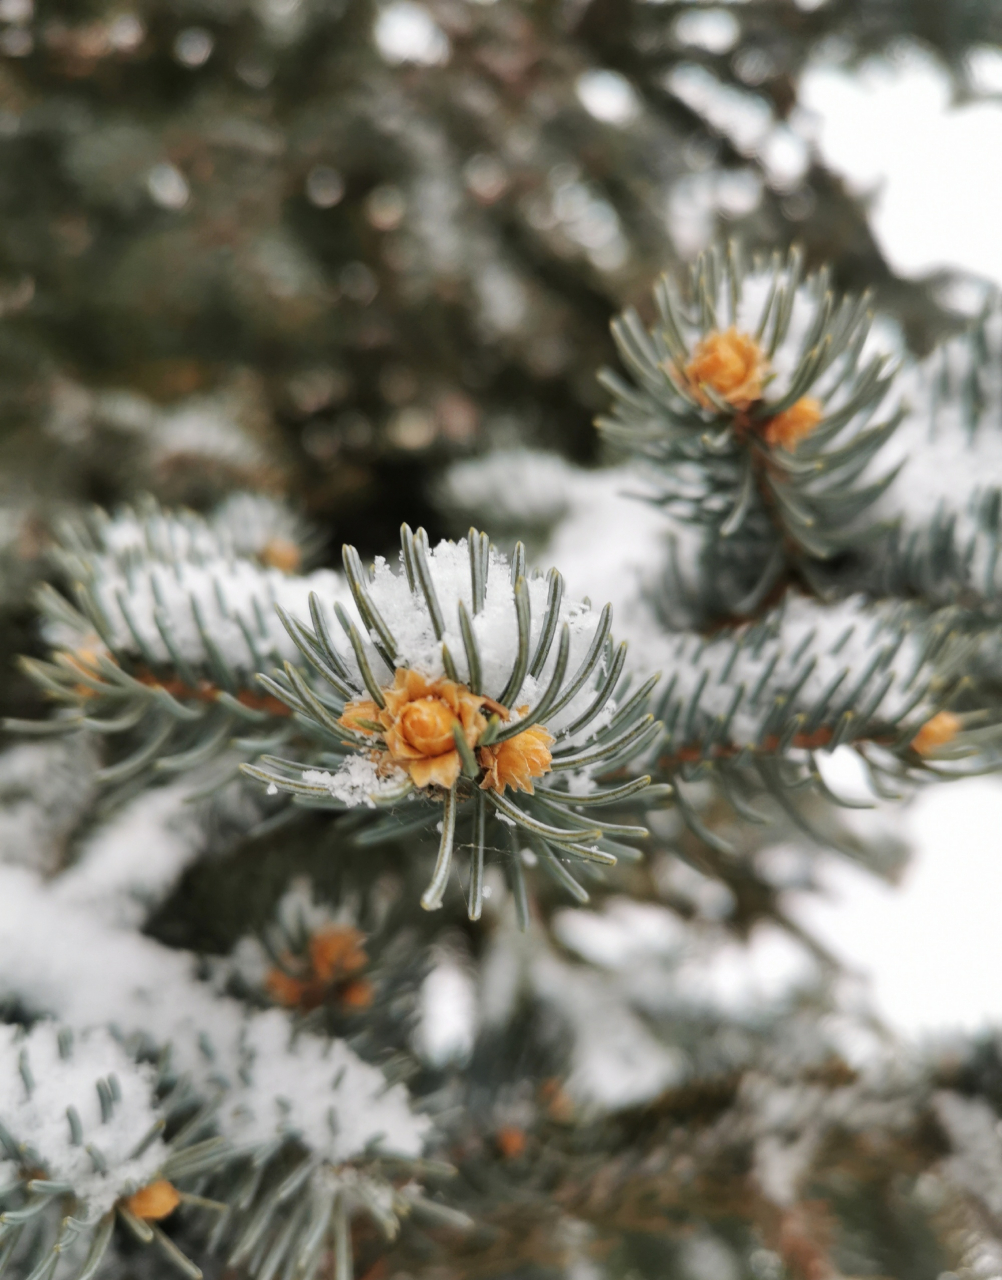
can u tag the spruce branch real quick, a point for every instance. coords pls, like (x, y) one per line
(300, 1214)
(751, 708)
(349, 970)
(253, 1093)
(163, 637)
(313, 1158)
(91, 1138)
(755, 397)
(463, 678)
(309, 957)
(244, 526)
(945, 505)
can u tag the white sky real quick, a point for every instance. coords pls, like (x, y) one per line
(933, 946)
(935, 170)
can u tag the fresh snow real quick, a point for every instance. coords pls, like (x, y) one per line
(495, 627)
(933, 206)
(65, 961)
(607, 541)
(234, 601)
(356, 781)
(242, 525)
(830, 639)
(110, 879)
(37, 1117)
(317, 1090)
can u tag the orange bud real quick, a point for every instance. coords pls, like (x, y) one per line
(85, 660)
(516, 761)
(357, 995)
(436, 771)
(426, 725)
(418, 722)
(334, 954)
(787, 429)
(282, 553)
(510, 1141)
(154, 1202)
(937, 732)
(360, 716)
(729, 363)
(284, 989)
(336, 951)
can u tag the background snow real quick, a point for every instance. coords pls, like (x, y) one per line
(892, 131)
(64, 960)
(38, 1117)
(931, 948)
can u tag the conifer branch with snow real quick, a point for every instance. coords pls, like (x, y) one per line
(171, 617)
(755, 396)
(459, 676)
(270, 1095)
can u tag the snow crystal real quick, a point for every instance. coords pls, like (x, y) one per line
(37, 1117)
(356, 781)
(579, 782)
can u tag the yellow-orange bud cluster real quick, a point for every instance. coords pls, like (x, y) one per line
(730, 366)
(937, 732)
(729, 363)
(417, 728)
(787, 429)
(335, 955)
(516, 761)
(156, 1201)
